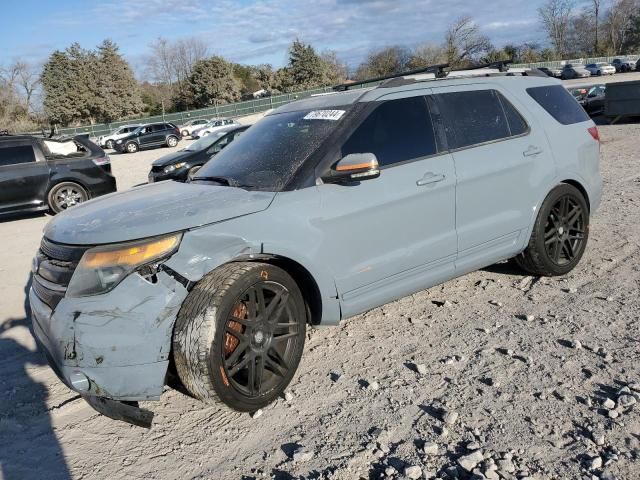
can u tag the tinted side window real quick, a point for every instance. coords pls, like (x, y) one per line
(397, 130)
(14, 155)
(158, 127)
(473, 117)
(517, 124)
(559, 103)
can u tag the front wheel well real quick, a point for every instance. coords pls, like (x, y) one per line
(581, 189)
(303, 278)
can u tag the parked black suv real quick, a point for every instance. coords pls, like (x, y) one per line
(180, 165)
(45, 174)
(149, 136)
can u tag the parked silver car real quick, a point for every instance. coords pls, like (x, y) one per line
(601, 68)
(327, 207)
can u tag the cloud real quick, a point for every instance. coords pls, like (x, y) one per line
(256, 31)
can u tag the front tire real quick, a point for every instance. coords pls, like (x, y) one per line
(66, 195)
(559, 235)
(109, 144)
(131, 147)
(239, 335)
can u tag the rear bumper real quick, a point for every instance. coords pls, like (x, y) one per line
(109, 185)
(115, 345)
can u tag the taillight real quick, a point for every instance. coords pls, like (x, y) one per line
(594, 133)
(102, 160)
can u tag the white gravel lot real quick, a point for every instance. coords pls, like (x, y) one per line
(510, 375)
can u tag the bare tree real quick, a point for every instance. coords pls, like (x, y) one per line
(28, 80)
(620, 21)
(187, 52)
(555, 16)
(426, 55)
(596, 20)
(464, 42)
(161, 62)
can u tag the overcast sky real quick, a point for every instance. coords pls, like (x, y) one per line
(253, 31)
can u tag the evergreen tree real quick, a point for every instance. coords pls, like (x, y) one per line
(118, 94)
(59, 97)
(212, 80)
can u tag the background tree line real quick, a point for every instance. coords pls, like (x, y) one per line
(78, 86)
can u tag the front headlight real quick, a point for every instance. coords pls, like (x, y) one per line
(173, 167)
(119, 141)
(102, 268)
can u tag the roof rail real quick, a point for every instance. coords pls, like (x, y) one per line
(438, 70)
(501, 65)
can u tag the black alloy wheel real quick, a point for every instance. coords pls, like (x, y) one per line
(564, 233)
(259, 338)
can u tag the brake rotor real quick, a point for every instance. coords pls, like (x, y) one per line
(230, 341)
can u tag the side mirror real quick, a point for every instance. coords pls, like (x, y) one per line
(354, 167)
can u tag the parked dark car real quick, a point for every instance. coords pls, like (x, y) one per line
(593, 101)
(180, 165)
(574, 70)
(38, 174)
(623, 65)
(149, 136)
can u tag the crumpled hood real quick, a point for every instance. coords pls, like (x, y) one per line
(151, 210)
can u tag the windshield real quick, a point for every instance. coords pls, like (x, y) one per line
(205, 142)
(266, 156)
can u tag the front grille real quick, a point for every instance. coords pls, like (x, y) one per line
(157, 169)
(53, 269)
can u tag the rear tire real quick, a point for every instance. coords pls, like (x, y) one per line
(559, 235)
(66, 195)
(172, 141)
(239, 335)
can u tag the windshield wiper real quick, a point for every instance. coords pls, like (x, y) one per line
(227, 181)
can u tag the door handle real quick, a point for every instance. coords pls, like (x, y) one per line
(430, 178)
(532, 151)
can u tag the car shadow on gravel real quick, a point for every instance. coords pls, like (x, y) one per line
(29, 448)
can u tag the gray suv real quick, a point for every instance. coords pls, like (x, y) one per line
(324, 209)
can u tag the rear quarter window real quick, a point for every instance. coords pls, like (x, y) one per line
(474, 117)
(559, 103)
(16, 154)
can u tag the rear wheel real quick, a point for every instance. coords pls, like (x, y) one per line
(172, 141)
(185, 133)
(66, 195)
(559, 235)
(239, 335)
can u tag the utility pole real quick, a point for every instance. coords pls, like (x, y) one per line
(596, 12)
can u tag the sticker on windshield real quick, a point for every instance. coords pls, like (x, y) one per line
(324, 115)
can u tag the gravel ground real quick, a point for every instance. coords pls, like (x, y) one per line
(496, 373)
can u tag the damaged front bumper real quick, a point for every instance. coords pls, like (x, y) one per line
(115, 346)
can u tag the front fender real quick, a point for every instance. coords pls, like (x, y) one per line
(205, 249)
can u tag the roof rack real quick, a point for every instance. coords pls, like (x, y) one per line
(440, 71)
